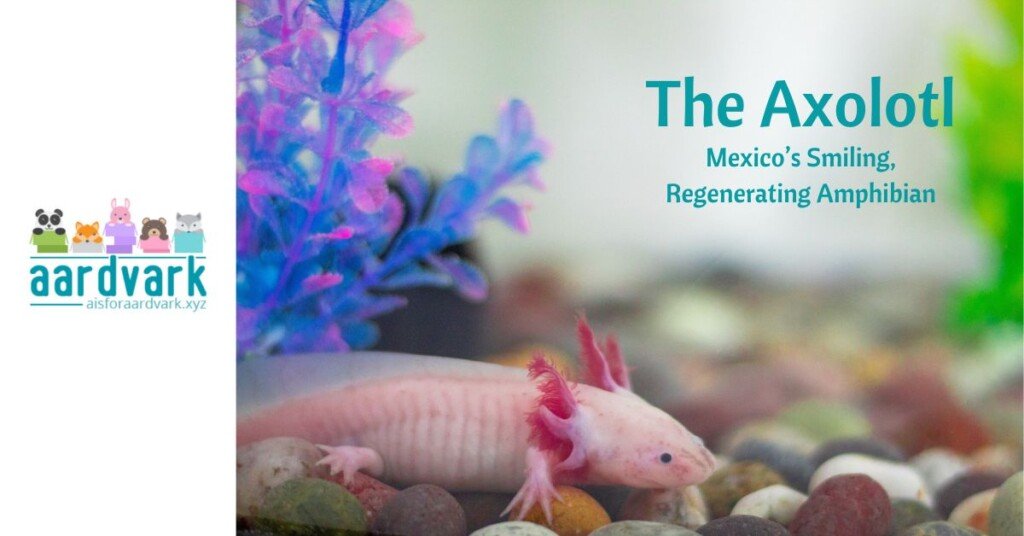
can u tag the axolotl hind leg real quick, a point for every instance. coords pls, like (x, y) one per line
(348, 460)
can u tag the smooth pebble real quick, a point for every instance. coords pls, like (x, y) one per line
(304, 506)
(793, 466)
(973, 511)
(1008, 508)
(777, 503)
(907, 513)
(577, 514)
(938, 466)
(421, 509)
(898, 480)
(266, 464)
(939, 528)
(513, 528)
(742, 526)
(642, 528)
(995, 459)
(683, 506)
(723, 489)
(844, 505)
(962, 487)
(371, 493)
(772, 432)
(867, 446)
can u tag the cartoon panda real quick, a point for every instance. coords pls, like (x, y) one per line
(49, 221)
(49, 236)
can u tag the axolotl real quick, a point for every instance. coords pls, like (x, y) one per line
(473, 426)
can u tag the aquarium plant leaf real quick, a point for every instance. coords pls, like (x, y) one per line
(469, 281)
(329, 234)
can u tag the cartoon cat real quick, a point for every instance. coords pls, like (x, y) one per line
(188, 233)
(154, 237)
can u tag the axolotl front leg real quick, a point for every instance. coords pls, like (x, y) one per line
(539, 487)
(349, 460)
(557, 449)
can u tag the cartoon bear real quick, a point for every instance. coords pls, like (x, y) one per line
(87, 238)
(49, 236)
(188, 234)
(154, 237)
(120, 228)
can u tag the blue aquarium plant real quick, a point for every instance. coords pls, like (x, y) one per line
(329, 235)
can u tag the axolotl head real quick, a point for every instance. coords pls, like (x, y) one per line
(630, 442)
(603, 433)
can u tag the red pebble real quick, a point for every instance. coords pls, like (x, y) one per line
(950, 426)
(917, 409)
(370, 492)
(844, 505)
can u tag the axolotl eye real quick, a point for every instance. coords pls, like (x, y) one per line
(665, 457)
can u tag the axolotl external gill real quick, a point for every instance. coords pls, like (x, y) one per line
(471, 426)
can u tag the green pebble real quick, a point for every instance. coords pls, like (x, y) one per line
(1004, 518)
(723, 489)
(907, 512)
(825, 421)
(311, 507)
(939, 528)
(642, 528)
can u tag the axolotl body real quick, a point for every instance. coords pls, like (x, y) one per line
(470, 426)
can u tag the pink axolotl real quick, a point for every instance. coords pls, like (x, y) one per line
(470, 426)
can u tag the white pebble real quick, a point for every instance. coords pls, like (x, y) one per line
(777, 503)
(265, 464)
(938, 466)
(899, 481)
(514, 528)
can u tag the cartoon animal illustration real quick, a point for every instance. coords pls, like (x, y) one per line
(87, 238)
(120, 213)
(471, 426)
(154, 238)
(87, 233)
(188, 233)
(49, 221)
(120, 228)
(49, 236)
(190, 223)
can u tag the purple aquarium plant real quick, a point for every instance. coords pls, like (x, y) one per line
(329, 234)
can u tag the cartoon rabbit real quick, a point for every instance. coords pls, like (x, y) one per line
(120, 228)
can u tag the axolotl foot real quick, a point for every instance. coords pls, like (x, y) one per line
(349, 460)
(537, 489)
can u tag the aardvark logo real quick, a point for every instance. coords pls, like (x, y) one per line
(117, 264)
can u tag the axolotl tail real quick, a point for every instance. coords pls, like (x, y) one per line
(453, 423)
